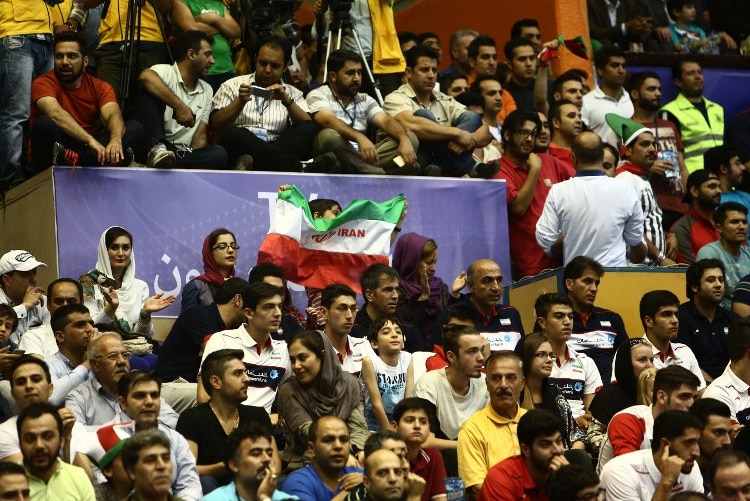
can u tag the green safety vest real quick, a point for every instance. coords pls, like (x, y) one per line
(697, 135)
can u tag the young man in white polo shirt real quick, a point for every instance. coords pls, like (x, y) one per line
(669, 466)
(733, 386)
(659, 315)
(339, 304)
(675, 388)
(574, 374)
(266, 360)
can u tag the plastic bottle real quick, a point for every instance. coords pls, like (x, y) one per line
(713, 44)
(454, 489)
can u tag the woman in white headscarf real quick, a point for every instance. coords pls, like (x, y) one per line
(112, 293)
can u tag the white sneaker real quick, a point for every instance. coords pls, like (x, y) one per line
(161, 158)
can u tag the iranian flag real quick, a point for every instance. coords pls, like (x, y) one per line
(318, 252)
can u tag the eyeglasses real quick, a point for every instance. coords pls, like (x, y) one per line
(224, 247)
(526, 133)
(115, 355)
(592, 496)
(545, 354)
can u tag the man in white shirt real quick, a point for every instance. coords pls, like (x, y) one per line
(345, 115)
(176, 107)
(609, 96)
(668, 467)
(266, 360)
(733, 386)
(339, 306)
(458, 391)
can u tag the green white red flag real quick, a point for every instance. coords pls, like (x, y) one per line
(319, 252)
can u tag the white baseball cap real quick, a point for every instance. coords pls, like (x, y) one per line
(18, 260)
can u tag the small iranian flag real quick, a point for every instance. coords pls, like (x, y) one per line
(319, 252)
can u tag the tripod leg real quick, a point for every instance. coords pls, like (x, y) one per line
(367, 66)
(328, 53)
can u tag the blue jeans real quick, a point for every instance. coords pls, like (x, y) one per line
(450, 163)
(22, 59)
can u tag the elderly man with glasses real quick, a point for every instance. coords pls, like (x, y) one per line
(94, 402)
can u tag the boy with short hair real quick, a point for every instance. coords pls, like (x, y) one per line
(411, 420)
(683, 30)
(8, 323)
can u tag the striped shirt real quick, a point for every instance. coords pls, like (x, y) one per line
(652, 217)
(268, 114)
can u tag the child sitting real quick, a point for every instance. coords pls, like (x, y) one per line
(411, 420)
(388, 376)
(686, 37)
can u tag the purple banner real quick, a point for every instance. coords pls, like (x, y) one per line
(169, 214)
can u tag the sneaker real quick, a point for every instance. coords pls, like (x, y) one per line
(487, 171)
(128, 158)
(161, 158)
(326, 163)
(432, 170)
(63, 156)
(244, 162)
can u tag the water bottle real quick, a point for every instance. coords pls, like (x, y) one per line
(713, 44)
(670, 156)
(685, 42)
(454, 489)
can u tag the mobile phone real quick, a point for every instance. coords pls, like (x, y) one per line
(261, 92)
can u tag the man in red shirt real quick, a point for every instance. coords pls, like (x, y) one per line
(525, 476)
(696, 228)
(566, 124)
(67, 106)
(529, 177)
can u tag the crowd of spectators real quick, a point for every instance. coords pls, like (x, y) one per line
(426, 383)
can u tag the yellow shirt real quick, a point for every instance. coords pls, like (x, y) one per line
(485, 439)
(24, 17)
(113, 25)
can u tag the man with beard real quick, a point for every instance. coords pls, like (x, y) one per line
(447, 131)
(207, 425)
(345, 114)
(731, 249)
(328, 476)
(704, 323)
(667, 468)
(94, 402)
(668, 173)
(490, 435)
(264, 123)
(724, 161)
(611, 234)
(248, 456)
(701, 122)
(176, 105)
(529, 177)
(40, 432)
(540, 452)
(697, 228)
(491, 90)
(566, 124)
(609, 96)
(640, 147)
(717, 434)
(67, 105)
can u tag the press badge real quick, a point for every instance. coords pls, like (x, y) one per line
(505, 321)
(260, 132)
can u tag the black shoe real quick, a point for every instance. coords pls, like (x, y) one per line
(326, 163)
(63, 156)
(432, 170)
(487, 171)
(128, 158)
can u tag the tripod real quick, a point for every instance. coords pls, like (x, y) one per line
(342, 22)
(132, 42)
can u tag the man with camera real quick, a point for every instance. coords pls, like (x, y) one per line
(253, 114)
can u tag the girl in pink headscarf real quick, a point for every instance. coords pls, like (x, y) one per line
(422, 295)
(219, 257)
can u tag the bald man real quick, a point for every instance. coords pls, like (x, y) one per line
(498, 324)
(592, 214)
